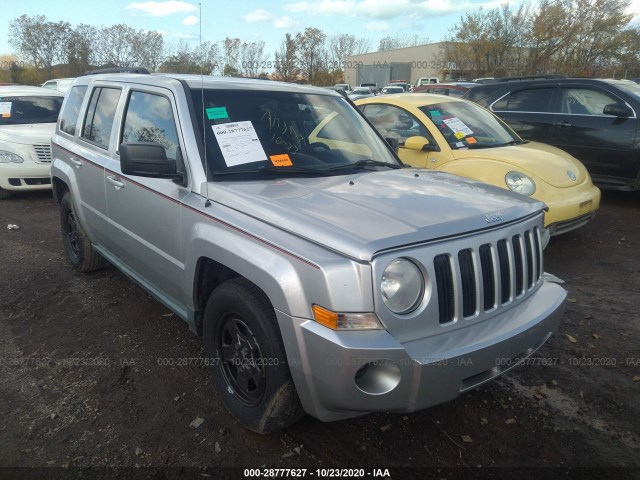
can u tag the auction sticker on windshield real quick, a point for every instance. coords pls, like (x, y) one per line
(458, 126)
(239, 143)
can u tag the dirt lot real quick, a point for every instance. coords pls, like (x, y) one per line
(82, 382)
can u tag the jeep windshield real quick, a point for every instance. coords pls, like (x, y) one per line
(250, 134)
(465, 125)
(22, 110)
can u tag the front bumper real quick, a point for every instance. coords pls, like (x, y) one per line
(571, 208)
(25, 176)
(344, 374)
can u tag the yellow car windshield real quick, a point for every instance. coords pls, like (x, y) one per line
(465, 125)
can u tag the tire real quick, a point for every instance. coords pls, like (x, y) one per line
(77, 245)
(246, 358)
(4, 194)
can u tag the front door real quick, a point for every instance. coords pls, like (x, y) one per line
(145, 212)
(602, 142)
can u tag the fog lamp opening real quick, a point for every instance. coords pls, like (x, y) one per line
(378, 377)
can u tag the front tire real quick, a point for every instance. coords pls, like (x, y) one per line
(77, 245)
(246, 358)
(4, 194)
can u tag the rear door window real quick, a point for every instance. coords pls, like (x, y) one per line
(100, 115)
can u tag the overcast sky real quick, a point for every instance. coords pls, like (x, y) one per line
(252, 20)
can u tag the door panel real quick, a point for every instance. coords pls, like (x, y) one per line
(145, 212)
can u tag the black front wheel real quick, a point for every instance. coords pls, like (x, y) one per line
(246, 358)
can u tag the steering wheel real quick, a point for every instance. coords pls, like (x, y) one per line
(314, 145)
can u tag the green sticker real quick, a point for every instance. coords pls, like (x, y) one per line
(217, 113)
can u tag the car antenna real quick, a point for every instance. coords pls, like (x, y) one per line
(207, 202)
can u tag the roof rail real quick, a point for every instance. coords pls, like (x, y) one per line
(118, 70)
(526, 77)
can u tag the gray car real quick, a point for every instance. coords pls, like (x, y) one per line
(323, 276)
(361, 92)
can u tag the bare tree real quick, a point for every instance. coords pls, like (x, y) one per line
(38, 40)
(231, 53)
(203, 59)
(253, 59)
(286, 68)
(79, 49)
(116, 45)
(148, 49)
(208, 56)
(401, 41)
(311, 52)
(362, 46)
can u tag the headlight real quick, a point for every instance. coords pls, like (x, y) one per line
(520, 183)
(402, 286)
(8, 157)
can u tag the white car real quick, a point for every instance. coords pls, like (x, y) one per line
(60, 84)
(28, 117)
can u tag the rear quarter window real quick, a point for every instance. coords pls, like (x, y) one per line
(71, 111)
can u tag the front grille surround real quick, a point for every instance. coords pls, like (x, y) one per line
(468, 279)
(495, 266)
(42, 153)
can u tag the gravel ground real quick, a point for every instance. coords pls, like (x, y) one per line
(86, 389)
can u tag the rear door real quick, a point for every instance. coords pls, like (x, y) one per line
(88, 154)
(602, 142)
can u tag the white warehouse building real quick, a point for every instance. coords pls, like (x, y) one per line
(403, 64)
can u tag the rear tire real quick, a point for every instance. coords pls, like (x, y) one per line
(77, 245)
(246, 358)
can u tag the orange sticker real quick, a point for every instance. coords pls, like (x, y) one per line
(281, 160)
(471, 140)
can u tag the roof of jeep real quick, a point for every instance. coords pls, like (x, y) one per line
(205, 81)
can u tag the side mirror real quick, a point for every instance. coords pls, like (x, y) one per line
(420, 144)
(146, 159)
(617, 110)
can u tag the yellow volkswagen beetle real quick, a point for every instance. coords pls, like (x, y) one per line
(460, 137)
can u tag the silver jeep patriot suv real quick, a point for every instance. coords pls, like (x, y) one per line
(324, 276)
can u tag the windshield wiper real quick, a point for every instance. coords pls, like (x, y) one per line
(294, 170)
(368, 162)
(271, 169)
(493, 145)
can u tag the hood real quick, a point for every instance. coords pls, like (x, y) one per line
(29, 134)
(361, 214)
(535, 159)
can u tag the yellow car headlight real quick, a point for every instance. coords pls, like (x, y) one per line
(520, 183)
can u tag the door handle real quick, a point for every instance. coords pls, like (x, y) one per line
(115, 182)
(562, 124)
(75, 161)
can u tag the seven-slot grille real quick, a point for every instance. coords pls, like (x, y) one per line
(43, 153)
(490, 276)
